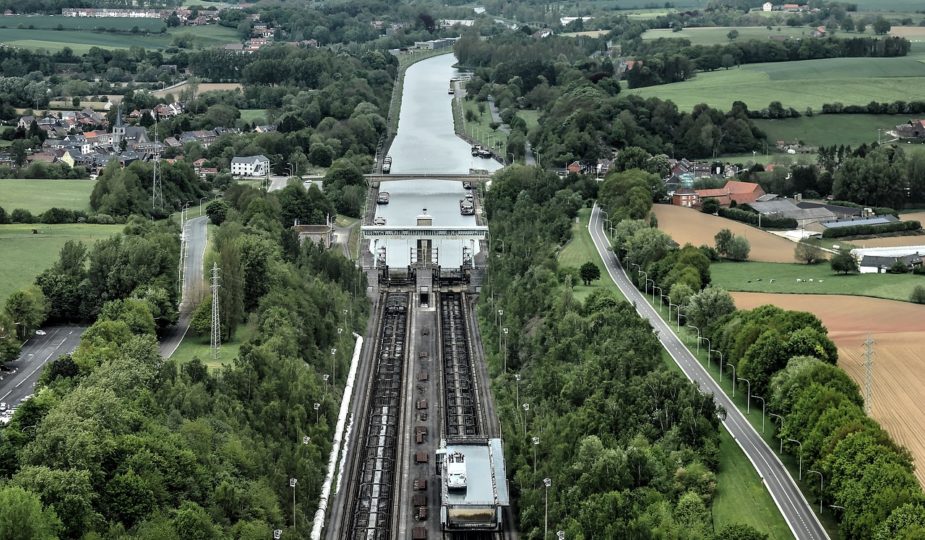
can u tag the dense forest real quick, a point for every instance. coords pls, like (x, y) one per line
(648, 470)
(118, 443)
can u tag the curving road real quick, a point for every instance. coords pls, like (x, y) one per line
(796, 511)
(193, 284)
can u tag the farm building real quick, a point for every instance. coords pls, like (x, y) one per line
(250, 166)
(734, 190)
(913, 129)
(786, 208)
(880, 260)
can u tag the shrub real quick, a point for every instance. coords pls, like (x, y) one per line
(899, 267)
(752, 219)
(4, 218)
(918, 295)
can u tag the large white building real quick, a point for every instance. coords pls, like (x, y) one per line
(258, 165)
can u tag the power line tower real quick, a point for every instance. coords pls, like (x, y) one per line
(216, 318)
(868, 374)
(157, 190)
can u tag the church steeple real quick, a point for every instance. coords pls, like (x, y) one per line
(118, 130)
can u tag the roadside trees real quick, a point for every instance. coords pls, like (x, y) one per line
(27, 309)
(589, 272)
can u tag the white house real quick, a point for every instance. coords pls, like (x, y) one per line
(258, 165)
(767, 6)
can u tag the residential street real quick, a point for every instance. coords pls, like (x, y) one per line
(19, 380)
(800, 517)
(194, 286)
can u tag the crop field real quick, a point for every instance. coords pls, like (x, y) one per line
(686, 225)
(26, 255)
(717, 34)
(758, 276)
(52, 22)
(81, 41)
(800, 84)
(829, 129)
(200, 88)
(899, 377)
(39, 195)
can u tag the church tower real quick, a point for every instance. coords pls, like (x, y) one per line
(118, 131)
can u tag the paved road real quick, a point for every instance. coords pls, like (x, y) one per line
(19, 379)
(796, 511)
(193, 284)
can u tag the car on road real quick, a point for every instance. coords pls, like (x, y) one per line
(40, 332)
(3, 407)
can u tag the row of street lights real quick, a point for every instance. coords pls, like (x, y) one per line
(734, 379)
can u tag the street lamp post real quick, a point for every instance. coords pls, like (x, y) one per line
(698, 336)
(317, 407)
(801, 456)
(733, 378)
(504, 338)
(517, 388)
(546, 483)
(821, 488)
(762, 412)
(500, 319)
(670, 305)
(325, 379)
(526, 407)
(772, 415)
(333, 365)
(645, 284)
(292, 483)
(660, 296)
(721, 360)
(709, 349)
(748, 408)
(560, 535)
(536, 442)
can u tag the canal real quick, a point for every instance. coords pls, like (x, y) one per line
(427, 143)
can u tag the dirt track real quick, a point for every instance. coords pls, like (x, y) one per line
(899, 369)
(686, 225)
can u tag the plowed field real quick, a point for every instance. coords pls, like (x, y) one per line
(686, 225)
(898, 329)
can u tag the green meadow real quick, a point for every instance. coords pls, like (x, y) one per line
(37, 196)
(799, 84)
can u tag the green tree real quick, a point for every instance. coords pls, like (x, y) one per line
(843, 262)
(918, 295)
(589, 272)
(27, 309)
(231, 293)
(723, 241)
(709, 206)
(807, 253)
(881, 26)
(732, 35)
(709, 305)
(738, 248)
(133, 312)
(9, 343)
(680, 294)
(740, 531)
(201, 322)
(217, 211)
(22, 516)
(70, 491)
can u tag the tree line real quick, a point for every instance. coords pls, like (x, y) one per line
(652, 467)
(788, 358)
(667, 60)
(119, 443)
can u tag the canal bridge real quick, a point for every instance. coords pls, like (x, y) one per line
(371, 179)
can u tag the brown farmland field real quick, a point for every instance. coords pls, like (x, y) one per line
(899, 368)
(686, 225)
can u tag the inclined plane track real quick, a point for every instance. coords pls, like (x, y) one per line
(371, 515)
(462, 414)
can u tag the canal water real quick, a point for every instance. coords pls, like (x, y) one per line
(426, 143)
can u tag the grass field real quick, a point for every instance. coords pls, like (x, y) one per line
(199, 347)
(480, 128)
(800, 84)
(251, 115)
(531, 117)
(829, 129)
(52, 22)
(899, 380)
(744, 277)
(26, 255)
(37, 196)
(81, 41)
(717, 34)
(580, 250)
